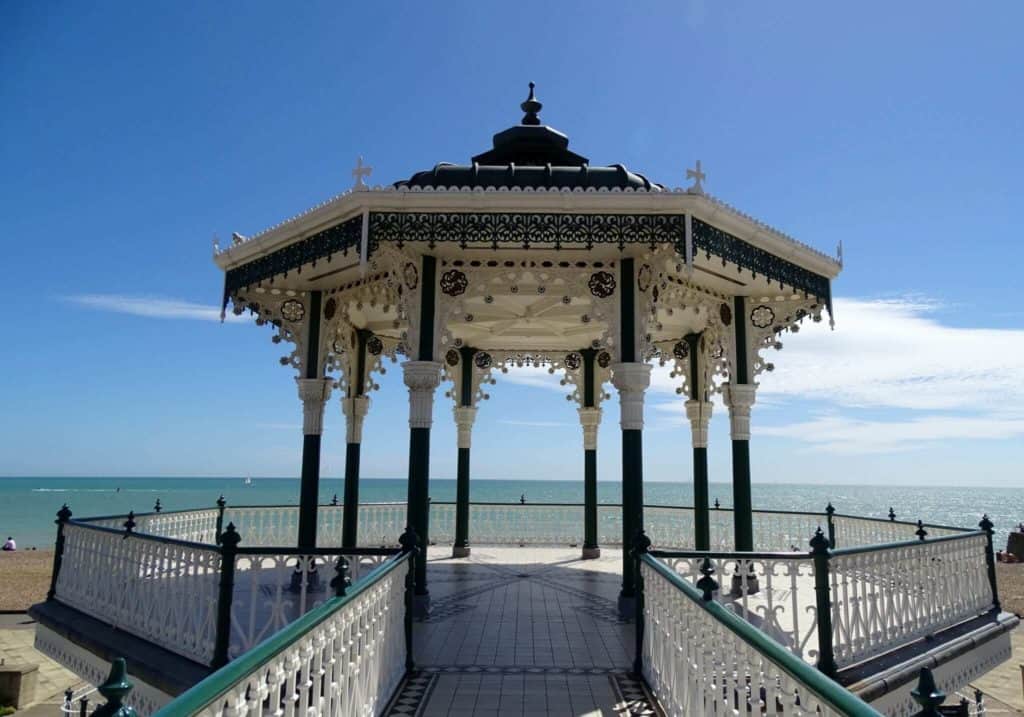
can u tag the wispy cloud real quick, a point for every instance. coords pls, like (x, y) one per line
(150, 307)
(932, 381)
(838, 434)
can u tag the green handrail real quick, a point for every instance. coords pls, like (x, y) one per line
(216, 685)
(829, 692)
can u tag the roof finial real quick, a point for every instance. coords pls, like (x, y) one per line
(531, 107)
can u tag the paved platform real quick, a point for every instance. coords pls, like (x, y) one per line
(523, 631)
(17, 638)
(1006, 682)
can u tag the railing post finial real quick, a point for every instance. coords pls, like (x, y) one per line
(707, 584)
(990, 560)
(230, 538)
(63, 516)
(115, 690)
(892, 513)
(823, 603)
(334, 500)
(641, 544)
(157, 507)
(341, 582)
(819, 543)
(928, 695)
(717, 504)
(829, 512)
(129, 525)
(921, 532)
(228, 542)
(409, 540)
(221, 504)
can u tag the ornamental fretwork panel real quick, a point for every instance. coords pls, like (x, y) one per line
(525, 229)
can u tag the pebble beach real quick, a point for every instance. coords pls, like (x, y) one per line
(24, 578)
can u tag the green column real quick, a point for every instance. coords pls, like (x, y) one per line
(631, 377)
(590, 418)
(422, 377)
(465, 414)
(355, 407)
(698, 410)
(740, 399)
(313, 392)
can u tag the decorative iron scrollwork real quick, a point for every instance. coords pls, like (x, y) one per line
(374, 346)
(604, 359)
(681, 350)
(762, 316)
(330, 308)
(725, 313)
(573, 361)
(601, 284)
(411, 275)
(452, 357)
(454, 282)
(643, 278)
(293, 310)
(483, 360)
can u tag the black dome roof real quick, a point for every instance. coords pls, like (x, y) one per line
(529, 155)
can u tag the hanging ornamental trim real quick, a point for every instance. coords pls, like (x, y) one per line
(524, 228)
(341, 238)
(714, 241)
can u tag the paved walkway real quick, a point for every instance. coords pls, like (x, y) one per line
(1006, 682)
(523, 631)
(17, 638)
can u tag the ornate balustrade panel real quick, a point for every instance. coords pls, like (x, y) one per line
(782, 531)
(885, 598)
(380, 524)
(162, 590)
(852, 531)
(273, 590)
(698, 661)
(268, 525)
(197, 526)
(344, 660)
(781, 606)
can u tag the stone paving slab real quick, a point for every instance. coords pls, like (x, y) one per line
(1006, 682)
(17, 646)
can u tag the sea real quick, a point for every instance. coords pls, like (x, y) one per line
(28, 505)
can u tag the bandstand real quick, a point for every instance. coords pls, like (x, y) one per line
(527, 256)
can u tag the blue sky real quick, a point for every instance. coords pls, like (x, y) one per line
(132, 133)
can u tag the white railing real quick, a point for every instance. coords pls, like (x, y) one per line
(888, 597)
(881, 597)
(700, 659)
(343, 659)
(781, 606)
(164, 591)
(273, 590)
(854, 531)
(524, 524)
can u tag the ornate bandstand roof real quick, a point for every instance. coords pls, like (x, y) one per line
(527, 246)
(529, 155)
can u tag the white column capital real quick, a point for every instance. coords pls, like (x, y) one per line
(464, 418)
(354, 409)
(590, 419)
(422, 378)
(313, 392)
(739, 397)
(699, 413)
(631, 380)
